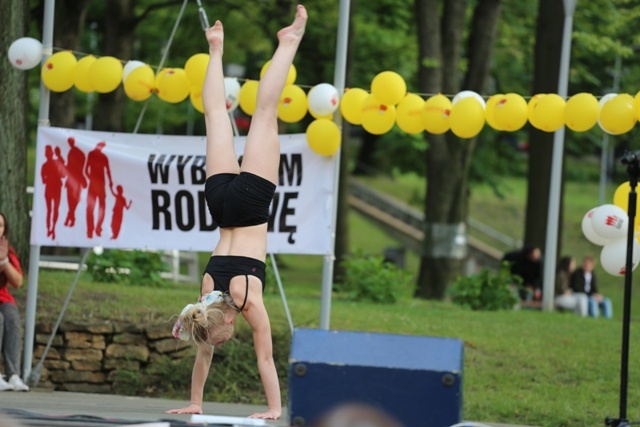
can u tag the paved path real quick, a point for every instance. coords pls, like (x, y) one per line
(67, 409)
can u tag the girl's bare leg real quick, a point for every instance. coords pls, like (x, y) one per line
(262, 151)
(221, 155)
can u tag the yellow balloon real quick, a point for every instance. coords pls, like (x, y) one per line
(196, 68)
(467, 118)
(105, 74)
(57, 71)
(388, 87)
(293, 105)
(511, 112)
(548, 114)
(377, 118)
(323, 136)
(81, 74)
(173, 85)
(409, 114)
(621, 199)
(139, 84)
(581, 112)
(435, 114)
(351, 105)
(489, 111)
(195, 96)
(248, 95)
(619, 114)
(531, 106)
(291, 77)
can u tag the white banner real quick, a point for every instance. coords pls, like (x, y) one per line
(136, 191)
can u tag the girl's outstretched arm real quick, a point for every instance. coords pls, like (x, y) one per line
(198, 378)
(258, 319)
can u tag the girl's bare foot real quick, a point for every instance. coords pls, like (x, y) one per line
(295, 31)
(215, 37)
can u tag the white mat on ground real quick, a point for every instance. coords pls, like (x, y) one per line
(227, 421)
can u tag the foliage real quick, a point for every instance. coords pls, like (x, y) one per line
(383, 38)
(134, 267)
(370, 278)
(400, 152)
(487, 290)
(498, 154)
(270, 282)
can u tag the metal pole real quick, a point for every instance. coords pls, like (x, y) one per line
(605, 154)
(34, 255)
(626, 322)
(556, 167)
(339, 82)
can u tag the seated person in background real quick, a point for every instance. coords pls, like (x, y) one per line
(583, 280)
(527, 263)
(564, 297)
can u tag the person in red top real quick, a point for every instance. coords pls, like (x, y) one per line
(10, 325)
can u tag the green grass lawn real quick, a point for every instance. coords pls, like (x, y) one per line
(520, 367)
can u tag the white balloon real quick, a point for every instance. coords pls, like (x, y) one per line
(466, 94)
(323, 99)
(25, 53)
(605, 98)
(589, 233)
(129, 67)
(232, 91)
(610, 222)
(98, 250)
(613, 256)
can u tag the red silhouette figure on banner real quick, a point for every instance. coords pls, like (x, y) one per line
(52, 172)
(118, 211)
(75, 180)
(95, 169)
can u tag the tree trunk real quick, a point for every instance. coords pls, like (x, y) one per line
(365, 163)
(119, 26)
(70, 17)
(14, 135)
(448, 157)
(546, 72)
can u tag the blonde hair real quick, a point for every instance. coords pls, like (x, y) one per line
(199, 319)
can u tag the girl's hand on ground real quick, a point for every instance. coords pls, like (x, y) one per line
(191, 409)
(269, 415)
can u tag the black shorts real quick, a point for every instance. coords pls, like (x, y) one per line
(238, 200)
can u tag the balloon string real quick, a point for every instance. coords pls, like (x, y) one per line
(309, 86)
(162, 60)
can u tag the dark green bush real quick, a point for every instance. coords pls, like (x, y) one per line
(135, 267)
(370, 278)
(487, 290)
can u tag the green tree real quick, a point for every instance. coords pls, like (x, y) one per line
(441, 36)
(14, 135)
(602, 31)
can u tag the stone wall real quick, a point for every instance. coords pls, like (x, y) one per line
(85, 357)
